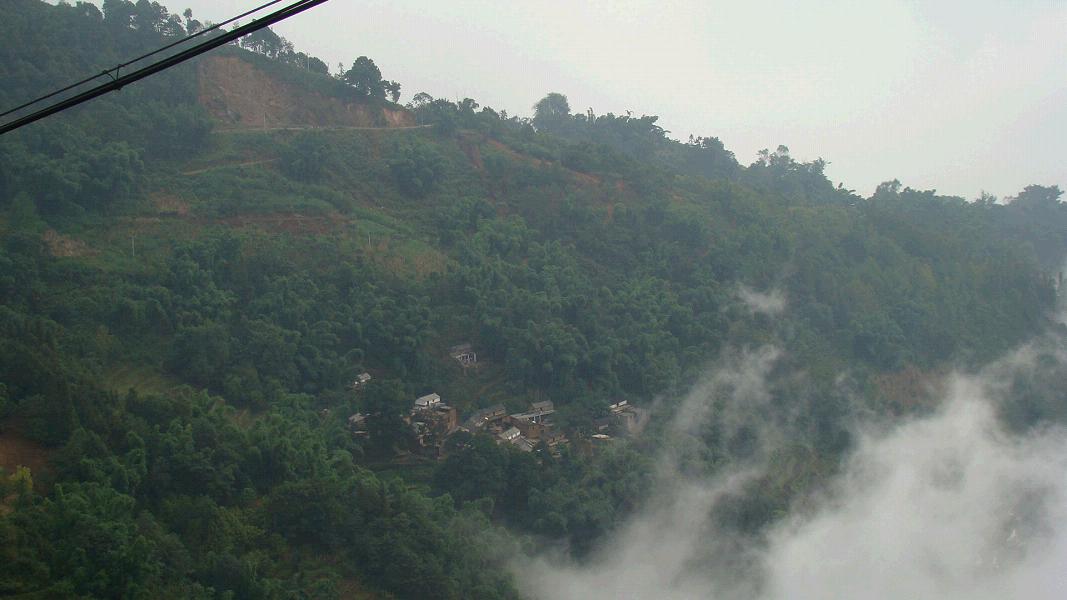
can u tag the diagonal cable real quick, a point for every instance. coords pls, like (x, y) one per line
(255, 25)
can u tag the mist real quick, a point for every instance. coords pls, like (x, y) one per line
(1061, 304)
(948, 505)
(769, 303)
(879, 102)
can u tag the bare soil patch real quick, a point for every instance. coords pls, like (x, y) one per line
(64, 246)
(287, 222)
(242, 96)
(19, 451)
(169, 204)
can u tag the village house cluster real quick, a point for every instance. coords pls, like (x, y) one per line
(523, 430)
(433, 422)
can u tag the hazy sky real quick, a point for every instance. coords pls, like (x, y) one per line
(955, 95)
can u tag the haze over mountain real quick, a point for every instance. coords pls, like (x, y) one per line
(269, 331)
(955, 96)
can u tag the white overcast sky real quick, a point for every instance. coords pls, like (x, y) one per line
(954, 95)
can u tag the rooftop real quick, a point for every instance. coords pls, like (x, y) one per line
(427, 401)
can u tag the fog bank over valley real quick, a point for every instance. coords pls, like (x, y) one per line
(950, 504)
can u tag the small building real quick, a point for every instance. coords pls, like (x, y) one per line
(357, 420)
(463, 354)
(537, 413)
(432, 422)
(544, 406)
(484, 417)
(427, 401)
(446, 417)
(628, 419)
(515, 438)
(509, 435)
(360, 381)
(357, 424)
(523, 444)
(530, 428)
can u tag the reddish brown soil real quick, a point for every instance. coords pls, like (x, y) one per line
(287, 222)
(242, 96)
(170, 204)
(474, 154)
(63, 246)
(17, 451)
(584, 178)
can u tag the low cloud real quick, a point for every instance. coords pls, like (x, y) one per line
(770, 303)
(950, 505)
(662, 552)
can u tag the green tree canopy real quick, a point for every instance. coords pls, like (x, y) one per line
(552, 112)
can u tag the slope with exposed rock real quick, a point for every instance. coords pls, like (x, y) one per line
(242, 95)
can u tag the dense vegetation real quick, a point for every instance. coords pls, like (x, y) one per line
(178, 331)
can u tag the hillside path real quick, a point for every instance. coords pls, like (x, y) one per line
(247, 163)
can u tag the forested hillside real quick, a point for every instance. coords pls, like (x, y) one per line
(187, 298)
